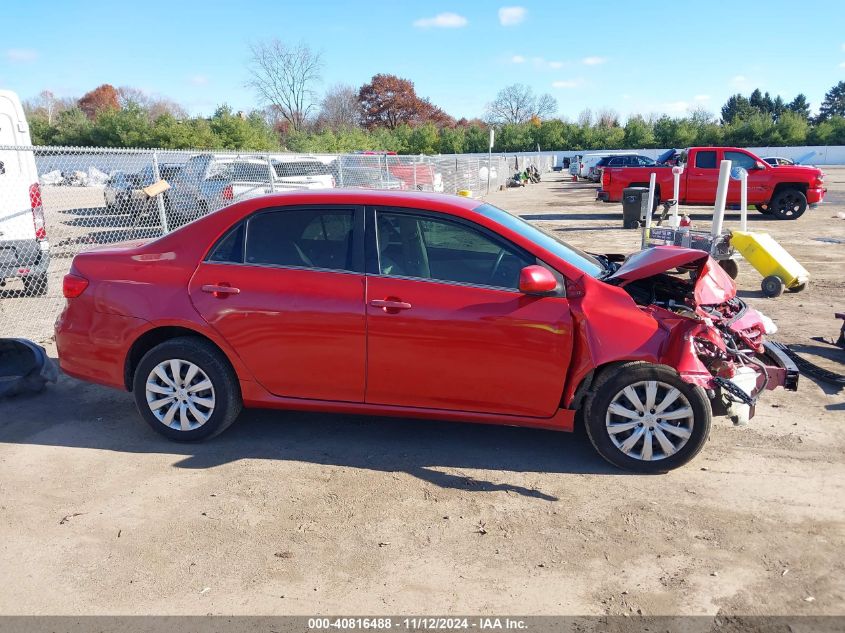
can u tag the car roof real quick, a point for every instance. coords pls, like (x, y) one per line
(367, 197)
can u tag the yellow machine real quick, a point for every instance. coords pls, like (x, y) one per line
(779, 269)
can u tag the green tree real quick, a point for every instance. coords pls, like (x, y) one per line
(834, 102)
(800, 106)
(424, 139)
(639, 133)
(736, 107)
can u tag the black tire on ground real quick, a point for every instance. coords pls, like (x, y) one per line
(35, 285)
(611, 383)
(730, 266)
(788, 204)
(772, 286)
(209, 359)
(763, 208)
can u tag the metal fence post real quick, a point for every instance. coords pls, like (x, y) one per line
(271, 174)
(162, 214)
(340, 170)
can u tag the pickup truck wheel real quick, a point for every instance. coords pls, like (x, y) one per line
(789, 204)
(643, 417)
(763, 208)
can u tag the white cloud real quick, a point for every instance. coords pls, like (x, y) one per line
(701, 98)
(675, 107)
(511, 16)
(21, 55)
(843, 47)
(555, 65)
(199, 80)
(593, 61)
(518, 59)
(740, 81)
(842, 65)
(566, 83)
(446, 20)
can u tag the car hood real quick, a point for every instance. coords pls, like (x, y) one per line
(713, 286)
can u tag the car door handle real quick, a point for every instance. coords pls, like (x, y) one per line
(220, 290)
(390, 304)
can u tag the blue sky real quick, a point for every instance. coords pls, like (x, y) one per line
(647, 57)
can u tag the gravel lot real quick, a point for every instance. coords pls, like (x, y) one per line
(292, 513)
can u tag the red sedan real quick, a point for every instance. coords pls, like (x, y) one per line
(423, 305)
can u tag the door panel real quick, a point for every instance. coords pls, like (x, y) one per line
(701, 177)
(301, 332)
(465, 348)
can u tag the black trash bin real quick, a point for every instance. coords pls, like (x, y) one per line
(634, 206)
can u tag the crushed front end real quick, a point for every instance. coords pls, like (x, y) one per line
(715, 340)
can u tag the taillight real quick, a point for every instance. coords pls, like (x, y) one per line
(73, 286)
(605, 178)
(37, 212)
(228, 193)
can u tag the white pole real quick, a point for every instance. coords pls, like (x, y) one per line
(743, 201)
(676, 194)
(490, 157)
(160, 197)
(647, 230)
(721, 197)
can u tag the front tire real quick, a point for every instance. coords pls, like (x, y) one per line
(643, 418)
(185, 389)
(788, 204)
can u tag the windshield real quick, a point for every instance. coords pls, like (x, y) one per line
(576, 257)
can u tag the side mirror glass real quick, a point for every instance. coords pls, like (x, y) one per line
(536, 280)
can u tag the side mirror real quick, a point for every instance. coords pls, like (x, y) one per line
(536, 280)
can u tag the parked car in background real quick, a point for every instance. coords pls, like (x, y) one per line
(777, 161)
(121, 193)
(783, 192)
(419, 305)
(24, 248)
(587, 163)
(370, 178)
(207, 182)
(621, 160)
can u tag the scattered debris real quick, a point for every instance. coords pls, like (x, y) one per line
(481, 528)
(784, 572)
(809, 599)
(714, 573)
(119, 532)
(68, 517)
(384, 544)
(283, 554)
(205, 591)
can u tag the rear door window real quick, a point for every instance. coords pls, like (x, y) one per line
(302, 238)
(705, 159)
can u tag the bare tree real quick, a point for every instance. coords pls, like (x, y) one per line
(546, 106)
(46, 104)
(585, 118)
(340, 109)
(285, 77)
(607, 117)
(513, 104)
(518, 104)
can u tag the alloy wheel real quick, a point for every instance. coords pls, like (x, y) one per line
(180, 395)
(649, 420)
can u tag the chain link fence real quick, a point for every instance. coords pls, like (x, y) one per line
(58, 201)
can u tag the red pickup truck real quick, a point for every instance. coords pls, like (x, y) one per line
(782, 192)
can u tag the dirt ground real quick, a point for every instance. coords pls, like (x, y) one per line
(292, 513)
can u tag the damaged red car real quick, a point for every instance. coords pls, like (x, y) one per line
(417, 305)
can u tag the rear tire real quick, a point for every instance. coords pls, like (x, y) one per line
(619, 427)
(186, 390)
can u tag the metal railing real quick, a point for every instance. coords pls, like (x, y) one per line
(58, 201)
